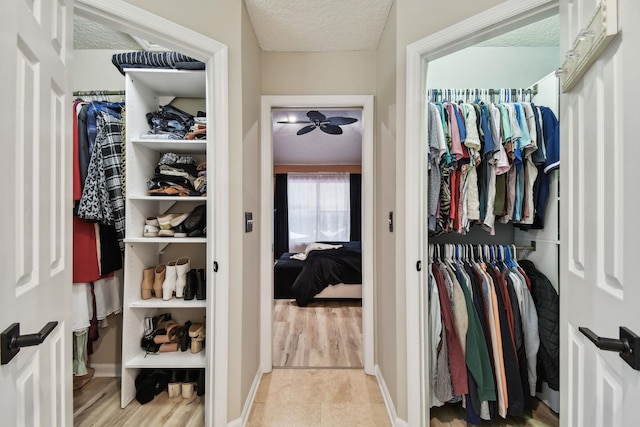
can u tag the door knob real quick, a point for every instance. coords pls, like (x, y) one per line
(11, 341)
(628, 345)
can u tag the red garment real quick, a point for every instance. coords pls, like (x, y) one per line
(85, 256)
(507, 303)
(457, 363)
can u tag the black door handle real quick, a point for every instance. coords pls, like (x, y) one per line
(628, 345)
(11, 341)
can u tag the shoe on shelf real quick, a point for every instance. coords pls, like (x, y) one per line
(158, 280)
(178, 218)
(182, 267)
(165, 221)
(197, 334)
(169, 284)
(189, 384)
(180, 231)
(197, 218)
(166, 233)
(190, 288)
(200, 385)
(147, 282)
(201, 285)
(176, 378)
(183, 336)
(150, 231)
(152, 220)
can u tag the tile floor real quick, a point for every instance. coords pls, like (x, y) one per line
(318, 397)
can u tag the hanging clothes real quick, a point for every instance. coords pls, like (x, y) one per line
(489, 162)
(483, 345)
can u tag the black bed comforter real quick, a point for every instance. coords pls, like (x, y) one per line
(328, 267)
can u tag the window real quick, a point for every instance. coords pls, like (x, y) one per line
(318, 208)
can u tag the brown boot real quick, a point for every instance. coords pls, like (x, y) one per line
(159, 279)
(147, 282)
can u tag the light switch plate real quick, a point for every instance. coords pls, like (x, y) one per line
(248, 222)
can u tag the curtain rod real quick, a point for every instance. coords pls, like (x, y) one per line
(99, 93)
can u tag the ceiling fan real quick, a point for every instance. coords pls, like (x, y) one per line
(330, 125)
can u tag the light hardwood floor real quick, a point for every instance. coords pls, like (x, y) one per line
(326, 333)
(453, 415)
(98, 404)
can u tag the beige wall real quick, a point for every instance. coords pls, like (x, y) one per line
(388, 349)
(318, 73)
(251, 72)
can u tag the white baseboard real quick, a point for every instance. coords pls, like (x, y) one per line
(109, 370)
(248, 404)
(388, 402)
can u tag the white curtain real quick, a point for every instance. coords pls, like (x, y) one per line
(318, 208)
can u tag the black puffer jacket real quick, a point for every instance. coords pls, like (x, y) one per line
(547, 304)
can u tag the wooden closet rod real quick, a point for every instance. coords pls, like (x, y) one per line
(99, 93)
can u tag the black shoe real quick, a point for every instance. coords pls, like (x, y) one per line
(200, 386)
(201, 285)
(190, 288)
(183, 336)
(197, 219)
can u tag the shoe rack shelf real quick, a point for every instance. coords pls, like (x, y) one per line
(184, 360)
(146, 90)
(179, 146)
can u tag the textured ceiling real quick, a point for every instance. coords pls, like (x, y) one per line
(91, 35)
(312, 25)
(544, 33)
(315, 147)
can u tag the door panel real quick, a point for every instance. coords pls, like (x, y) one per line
(599, 249)
(35, 256)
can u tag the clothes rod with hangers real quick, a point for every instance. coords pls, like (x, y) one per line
(531, 247)
(99, 93)
(531, 91)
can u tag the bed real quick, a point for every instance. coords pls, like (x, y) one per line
(330, 273)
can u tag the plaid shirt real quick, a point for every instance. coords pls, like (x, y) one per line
(102, 199)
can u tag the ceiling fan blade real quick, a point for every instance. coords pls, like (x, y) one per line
(331, 129)
(339, 121)
(306, 129)
(316, 116)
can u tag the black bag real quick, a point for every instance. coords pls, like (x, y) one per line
(170, 119)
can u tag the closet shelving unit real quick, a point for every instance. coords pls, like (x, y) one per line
(146, 90)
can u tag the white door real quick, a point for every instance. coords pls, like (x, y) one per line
(35, 259)
(600, 202)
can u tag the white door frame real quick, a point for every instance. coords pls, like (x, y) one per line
(138, 22)
(266, 216)
(492, 22)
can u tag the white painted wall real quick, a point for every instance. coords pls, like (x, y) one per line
(492, 67)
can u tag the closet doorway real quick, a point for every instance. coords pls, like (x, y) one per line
(120, 16)
(435, 63)
(325, 191)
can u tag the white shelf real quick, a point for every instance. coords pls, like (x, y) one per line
(165, 82)
(165, 240)
(172, 303)
(179, 146)
(202, 199)
(174, 359)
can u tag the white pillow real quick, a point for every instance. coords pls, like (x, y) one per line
(319, 247)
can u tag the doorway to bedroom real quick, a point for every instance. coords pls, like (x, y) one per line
(316, 158)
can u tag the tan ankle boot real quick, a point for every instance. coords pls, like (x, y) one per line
(147, 282)
(159, 279)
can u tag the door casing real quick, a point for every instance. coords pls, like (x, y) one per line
(497, 20)
(266, 217)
